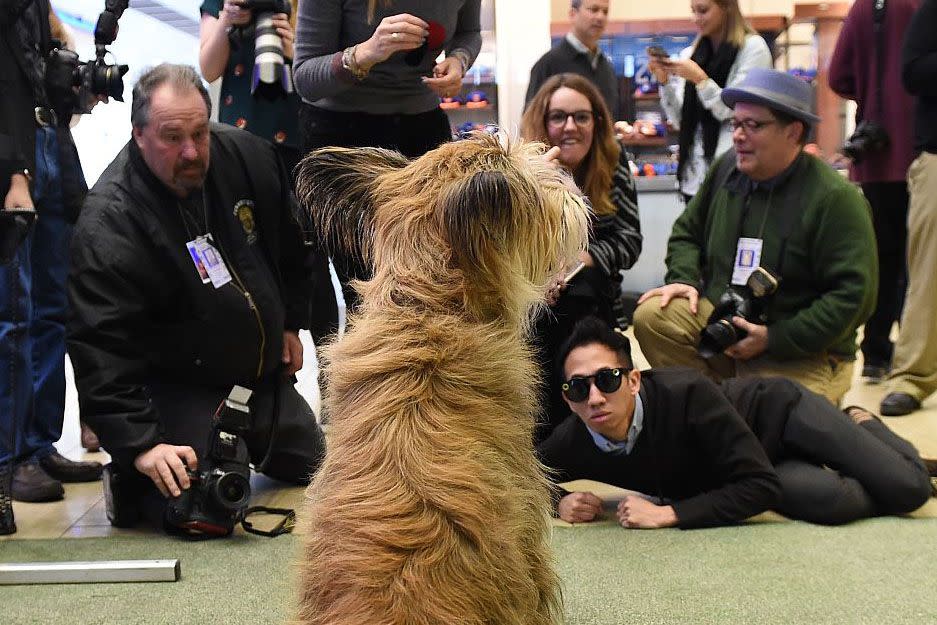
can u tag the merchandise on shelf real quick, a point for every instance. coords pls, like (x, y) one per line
(450, 103)
(476, 99)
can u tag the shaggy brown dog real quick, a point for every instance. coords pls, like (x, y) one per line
(430, 507)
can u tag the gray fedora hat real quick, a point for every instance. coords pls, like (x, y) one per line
(776, 90)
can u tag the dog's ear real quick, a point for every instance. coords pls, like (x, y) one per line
(477, 214)
(335, 188)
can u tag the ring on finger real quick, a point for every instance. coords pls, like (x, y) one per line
(395, 36)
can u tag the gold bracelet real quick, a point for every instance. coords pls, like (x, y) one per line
(351, 64)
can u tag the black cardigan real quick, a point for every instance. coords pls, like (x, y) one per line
(694, 450)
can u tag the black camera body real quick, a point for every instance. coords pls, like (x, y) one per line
(220, 490)
(268, 6)
(869, 137)
(93, 79)
(737, 301)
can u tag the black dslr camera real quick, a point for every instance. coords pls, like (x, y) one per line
(869, 137)
(271, 78)
(93, 78)
(746, 302)
(221, 489)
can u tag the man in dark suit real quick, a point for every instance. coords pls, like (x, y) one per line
(579, 53)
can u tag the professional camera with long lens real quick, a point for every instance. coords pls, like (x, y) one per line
(93, 79)
(272, 78)
(221, 489)
(868, 138)
(738, 301)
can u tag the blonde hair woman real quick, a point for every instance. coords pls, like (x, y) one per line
(725, 49)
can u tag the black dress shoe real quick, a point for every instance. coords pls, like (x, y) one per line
(899, 404)
(874, 374)
(61, 468)
(31, 483)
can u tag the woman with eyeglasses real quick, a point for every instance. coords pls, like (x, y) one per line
(568, 112)
(725, 49)
(368, 76)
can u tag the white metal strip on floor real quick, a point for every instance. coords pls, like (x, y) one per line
(90, 572)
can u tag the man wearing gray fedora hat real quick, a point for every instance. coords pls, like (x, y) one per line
(772, 266)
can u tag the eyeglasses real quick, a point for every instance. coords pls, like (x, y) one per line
(577, 388)
(557, 118)
(750, 125)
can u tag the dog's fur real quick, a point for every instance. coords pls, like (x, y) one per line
(430, 507)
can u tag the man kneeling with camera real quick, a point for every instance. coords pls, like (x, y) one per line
(702, 455)
(772, 266)
(188, 277)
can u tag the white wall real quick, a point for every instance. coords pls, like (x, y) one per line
(523, 35)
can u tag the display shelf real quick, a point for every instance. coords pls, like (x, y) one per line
(644, 141)
(655, 183)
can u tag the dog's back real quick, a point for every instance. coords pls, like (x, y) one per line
(430, 507)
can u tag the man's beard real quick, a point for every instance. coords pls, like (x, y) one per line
(190, 176)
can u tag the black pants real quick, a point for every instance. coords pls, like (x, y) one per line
(292, 454)
(586, 295)
(411, 135)
(833, 471)
(889, 201)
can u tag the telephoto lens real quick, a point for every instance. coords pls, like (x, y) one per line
(272, 77)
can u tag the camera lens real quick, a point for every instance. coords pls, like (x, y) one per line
(109, 80)
(232, 490)
(716, 337)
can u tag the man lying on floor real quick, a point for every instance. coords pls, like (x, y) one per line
(708, 455)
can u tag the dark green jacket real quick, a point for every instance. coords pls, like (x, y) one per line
(829, 271)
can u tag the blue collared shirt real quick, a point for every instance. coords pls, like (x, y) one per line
(625, 446)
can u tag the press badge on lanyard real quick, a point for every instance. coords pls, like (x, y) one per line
(747, 259)
(208, 261)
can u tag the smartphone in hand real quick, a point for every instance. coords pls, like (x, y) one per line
(572, 274)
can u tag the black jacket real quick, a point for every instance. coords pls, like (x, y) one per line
(694, 451)
(140, 312)
(17, 100)
(919, 73)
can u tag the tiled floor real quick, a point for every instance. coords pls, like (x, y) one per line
(81, 513)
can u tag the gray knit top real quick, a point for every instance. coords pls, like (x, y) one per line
(326, 27)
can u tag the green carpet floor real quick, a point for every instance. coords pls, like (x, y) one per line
(879, 571)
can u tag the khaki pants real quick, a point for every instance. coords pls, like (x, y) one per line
(914, 369)
(668, 338)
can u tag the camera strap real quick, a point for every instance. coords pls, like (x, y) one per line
(285, 526)
(878, 25)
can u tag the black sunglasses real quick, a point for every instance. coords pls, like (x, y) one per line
(577, 388)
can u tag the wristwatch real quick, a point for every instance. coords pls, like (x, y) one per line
(25, 173)
(350, 64)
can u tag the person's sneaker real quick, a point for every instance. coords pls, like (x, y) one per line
(61, 468)
(89, 440)
(32, 484)
(874, 374)
(899, 404)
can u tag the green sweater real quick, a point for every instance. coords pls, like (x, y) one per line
(829, 271)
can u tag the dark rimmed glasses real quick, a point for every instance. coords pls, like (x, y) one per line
(607, 380)
(750, 126)
(557, 117)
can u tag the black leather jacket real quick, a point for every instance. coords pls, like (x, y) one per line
(141, 314)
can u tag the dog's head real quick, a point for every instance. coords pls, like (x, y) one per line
(474, 224)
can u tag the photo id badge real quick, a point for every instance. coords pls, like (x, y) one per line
(212, 261)
(747, 258)
(197, 260)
